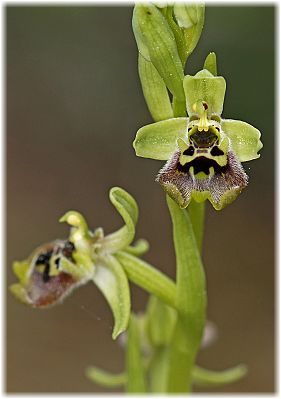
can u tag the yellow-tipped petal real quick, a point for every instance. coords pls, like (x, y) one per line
(21, 270)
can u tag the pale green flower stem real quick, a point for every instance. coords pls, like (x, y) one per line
(172, 366)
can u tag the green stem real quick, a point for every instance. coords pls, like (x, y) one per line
(197, 216)
(134, 362)
(190, 301)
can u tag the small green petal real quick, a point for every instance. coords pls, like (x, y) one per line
(106, 379)
(204, 87)
(80, 235)
(84, 269)
(245, 139)
(139, 248)
(20, 293)
(154, 90)
(158, 140)
(75, 219)
(157, 44)
(111, 279)
(204, 377)
(128, 209)
(211, 63)
(21, 270)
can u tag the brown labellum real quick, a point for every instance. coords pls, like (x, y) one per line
(44, 289)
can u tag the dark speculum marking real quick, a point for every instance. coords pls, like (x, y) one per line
(65, 248)
(68, 249)
(216, 151)
(201, 164)
(45, 275)
(44, 258)
(189, 151)
(203, 139)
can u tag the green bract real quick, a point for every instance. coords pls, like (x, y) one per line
(53, 270)
(204, 152)
(166, 35)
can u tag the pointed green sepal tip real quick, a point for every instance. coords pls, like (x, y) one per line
(211, 63)
(20, 293)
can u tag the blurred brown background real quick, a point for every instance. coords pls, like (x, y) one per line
(74, 103)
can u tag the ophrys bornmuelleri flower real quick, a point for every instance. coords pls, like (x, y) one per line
(54, 269)
(204, 151)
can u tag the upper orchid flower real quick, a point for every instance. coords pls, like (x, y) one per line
(204, 152)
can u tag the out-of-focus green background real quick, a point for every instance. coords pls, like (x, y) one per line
(74, 103)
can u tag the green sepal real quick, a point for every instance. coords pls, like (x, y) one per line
(204, 86)
(128, 209)
(158, 140)
(106, 379)
(160, 322)
(196, 213)
(112, 281)
(244, 138)
(140, 247)
(157, 44)
(210, 378)
(211, 63)
(19, 293)
(154, 90)
(147, 277)
(134, 360)
(21, 270)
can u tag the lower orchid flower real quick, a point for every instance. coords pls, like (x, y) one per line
(203, 152)
(53, 270)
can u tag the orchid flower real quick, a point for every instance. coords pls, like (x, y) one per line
(203, 151)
